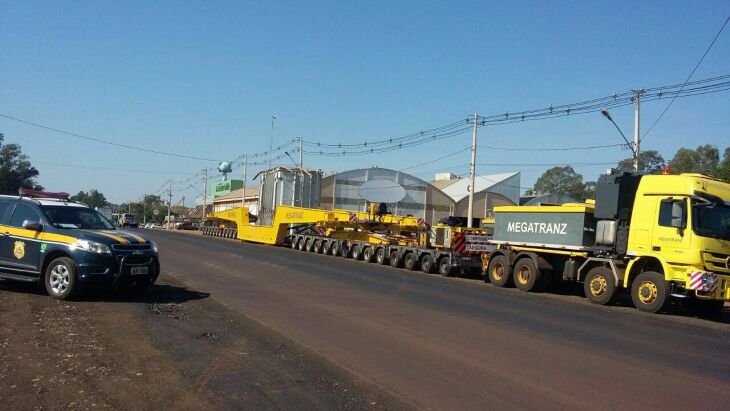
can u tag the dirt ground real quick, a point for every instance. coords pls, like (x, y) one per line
(171, 347)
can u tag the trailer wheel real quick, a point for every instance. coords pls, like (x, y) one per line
(395, 260)
(380, 256)
(367, 254)
(333, 248)
(499, 271)
(356, 254)
(649, 292)
(427, 264)
(344, 250)
(526, 275)
(317, 247)
(309, 245)
(295, 242)
(445, 268)
(599, 285)
(410, 261)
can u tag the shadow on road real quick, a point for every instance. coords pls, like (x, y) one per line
(157, 294)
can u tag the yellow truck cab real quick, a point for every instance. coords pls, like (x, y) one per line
(659, 236)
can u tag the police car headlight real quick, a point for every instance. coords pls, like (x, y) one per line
(154, 246)
(93, 247)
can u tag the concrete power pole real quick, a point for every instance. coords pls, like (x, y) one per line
(301, 152)
(245, 168)
(169, 204)
(205, 194)
(472, 175)
(637, 109)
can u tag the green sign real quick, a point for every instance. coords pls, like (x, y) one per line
(221, 188)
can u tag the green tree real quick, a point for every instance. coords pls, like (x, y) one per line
(723, 170)
(561, 180)
(704, 160)
(15, 169)
(93, 198)
(650, 161)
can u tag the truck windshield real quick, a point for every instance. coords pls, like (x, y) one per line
(711, 219)
(65, 217)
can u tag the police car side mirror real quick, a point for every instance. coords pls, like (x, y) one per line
(32, 225)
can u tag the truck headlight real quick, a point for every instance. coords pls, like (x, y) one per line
(154, 246)
(93, 247)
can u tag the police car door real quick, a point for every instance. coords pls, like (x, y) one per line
(20, 247)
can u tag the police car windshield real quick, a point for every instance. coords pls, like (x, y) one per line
(66, 217)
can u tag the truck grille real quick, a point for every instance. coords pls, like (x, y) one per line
(717, 262)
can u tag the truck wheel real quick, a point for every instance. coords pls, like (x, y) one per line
(309, 246)
(380, 257)
(649, 292)
(333, 248)
(410, 261)
(344, 250)
(445, 268)
(60, 278)
(708, 309)
(599, 285)
(499, 271)
(427, 264)
(395, 260)
(317, 247)
(367, 254)
(356, 254)
(301, 244)
(526, 275)
(294, 243)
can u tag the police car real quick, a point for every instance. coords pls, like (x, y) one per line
(64, 245)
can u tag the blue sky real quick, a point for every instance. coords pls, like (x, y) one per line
(204, 78)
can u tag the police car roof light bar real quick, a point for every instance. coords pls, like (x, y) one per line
(24, 192)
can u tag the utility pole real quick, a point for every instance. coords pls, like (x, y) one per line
(472, 175)
(301, 152)
(205, 194)
(144, 210)
(169, 203)
(271, 140)
(637, 109)
(245, 169)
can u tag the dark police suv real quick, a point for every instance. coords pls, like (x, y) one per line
(64, 245)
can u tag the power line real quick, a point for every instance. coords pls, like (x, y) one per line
(554, 149)
(102, 141)
(688, 77)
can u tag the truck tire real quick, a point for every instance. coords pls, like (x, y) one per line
(649, 292)
(395, 260)
(334, 248)
(60, 278)
(294, 242)
(499, 271)
(599, 285)
(367, 254)
(317, 247)
(410, 261)
(344, 250)
(380, 257)
(427, 264)
(309, 245)
(302, 243)
(445, 268)
(527, 275)
(356, 254)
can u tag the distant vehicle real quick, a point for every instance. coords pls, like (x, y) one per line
(155, 225)
(187, 225)
(64, 245)
(128, 220)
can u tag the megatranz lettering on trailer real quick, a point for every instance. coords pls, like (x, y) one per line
(540, 228)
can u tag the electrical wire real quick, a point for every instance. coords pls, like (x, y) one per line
(688, 78)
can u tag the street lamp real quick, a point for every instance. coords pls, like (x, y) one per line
(608, 116)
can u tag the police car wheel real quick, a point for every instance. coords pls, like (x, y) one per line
(60, 278)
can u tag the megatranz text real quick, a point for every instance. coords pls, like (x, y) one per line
(540, 228)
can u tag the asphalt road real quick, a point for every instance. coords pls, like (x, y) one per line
(446, 343)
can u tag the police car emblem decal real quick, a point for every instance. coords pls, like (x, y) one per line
(19, 249)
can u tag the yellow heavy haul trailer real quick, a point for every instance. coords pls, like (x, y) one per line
(367, 236)
(658, 236)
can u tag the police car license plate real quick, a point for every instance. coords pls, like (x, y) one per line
(138, 271)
